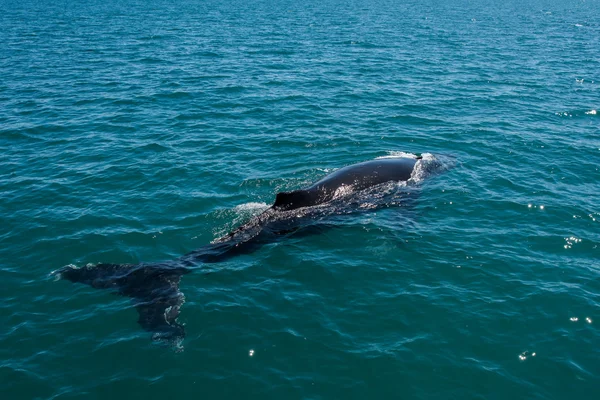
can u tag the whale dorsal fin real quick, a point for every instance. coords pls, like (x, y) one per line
(291, 200)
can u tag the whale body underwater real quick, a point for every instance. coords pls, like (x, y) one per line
(154, 287)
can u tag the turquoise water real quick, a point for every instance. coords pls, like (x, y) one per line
(138, 131)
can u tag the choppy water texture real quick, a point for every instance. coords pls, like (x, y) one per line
(135, 130)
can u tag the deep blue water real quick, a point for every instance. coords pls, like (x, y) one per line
(140, 130)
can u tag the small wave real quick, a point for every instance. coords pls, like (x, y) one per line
(577, 113)
(180, 94)
(156, 147)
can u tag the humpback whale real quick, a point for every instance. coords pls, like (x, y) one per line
(154, 287)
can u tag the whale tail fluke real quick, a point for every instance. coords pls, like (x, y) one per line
(153, 289)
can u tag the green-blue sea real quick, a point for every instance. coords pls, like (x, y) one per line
(138, 131)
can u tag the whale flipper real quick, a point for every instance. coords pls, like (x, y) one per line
(153, 289)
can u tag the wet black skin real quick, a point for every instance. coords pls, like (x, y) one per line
(358, 176)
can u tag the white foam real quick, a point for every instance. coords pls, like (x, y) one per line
(425, 166)
(591, 112)
(398, 154)
(57, 274)
(252, 206)
(429, 165)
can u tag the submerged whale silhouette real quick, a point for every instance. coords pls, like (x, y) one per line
(154, 287)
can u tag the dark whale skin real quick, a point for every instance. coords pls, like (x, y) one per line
(357, 176)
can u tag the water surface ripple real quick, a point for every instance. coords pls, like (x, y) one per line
(140, 130)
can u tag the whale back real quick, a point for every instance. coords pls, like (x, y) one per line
(357, 176)
(367, 174)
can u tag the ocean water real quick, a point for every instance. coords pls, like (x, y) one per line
(140, 130)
